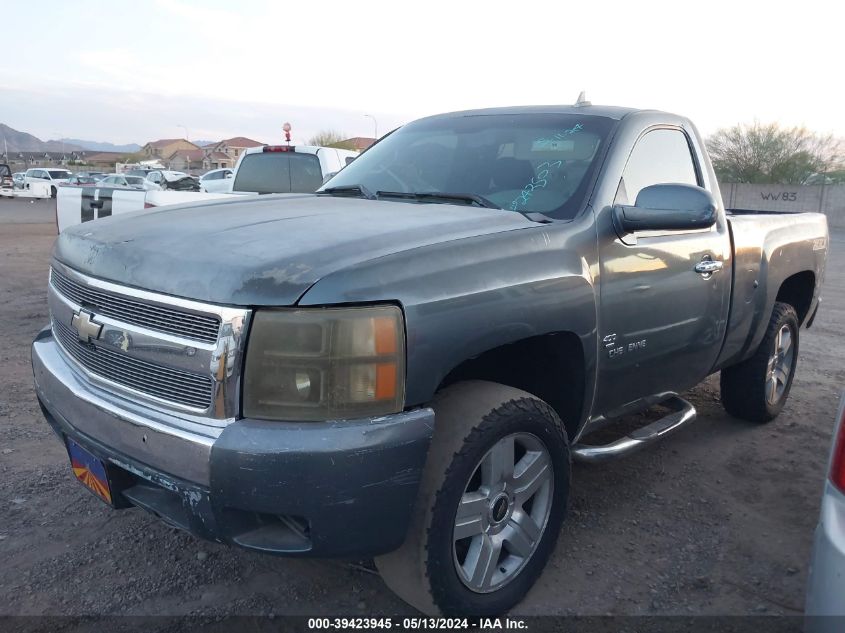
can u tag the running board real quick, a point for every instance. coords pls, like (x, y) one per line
(682, 413)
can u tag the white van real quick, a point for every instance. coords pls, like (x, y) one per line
(54, 176)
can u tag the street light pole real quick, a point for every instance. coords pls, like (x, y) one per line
(375, 123)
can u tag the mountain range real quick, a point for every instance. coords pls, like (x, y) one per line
(100, 146)
(17, 141)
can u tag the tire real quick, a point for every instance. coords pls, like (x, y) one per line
(431, 571)
(747, 387)
(53, 192)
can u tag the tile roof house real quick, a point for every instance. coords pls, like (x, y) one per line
(217, 160)
(359, 143)
(234, 147)
(165, 147)
(187, 160)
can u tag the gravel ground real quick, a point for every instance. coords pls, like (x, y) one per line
(717, 519)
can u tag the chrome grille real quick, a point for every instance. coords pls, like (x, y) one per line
(179, 323)
(158, 381)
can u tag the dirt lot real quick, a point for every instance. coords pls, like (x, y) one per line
(717, 519)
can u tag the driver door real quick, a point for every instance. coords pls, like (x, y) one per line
(661, 322)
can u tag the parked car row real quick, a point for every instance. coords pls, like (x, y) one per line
(266, 169)
(148, 180)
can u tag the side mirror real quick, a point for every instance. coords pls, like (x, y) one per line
(229, 175)
(667, 207)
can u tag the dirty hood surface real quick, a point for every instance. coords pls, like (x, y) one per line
(265, 250)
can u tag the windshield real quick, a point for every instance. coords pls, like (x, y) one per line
(57, 174)
(521, 162)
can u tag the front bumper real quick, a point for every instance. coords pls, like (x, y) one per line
(825, 595)
(344, 488)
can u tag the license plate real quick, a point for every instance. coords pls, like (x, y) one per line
(89, 470)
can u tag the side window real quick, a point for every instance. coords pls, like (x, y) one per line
(660, 156)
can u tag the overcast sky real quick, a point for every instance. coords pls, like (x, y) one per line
(132, 72)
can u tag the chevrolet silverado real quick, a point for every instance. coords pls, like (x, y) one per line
(404, 364)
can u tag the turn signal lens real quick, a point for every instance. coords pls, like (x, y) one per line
(837, 467)
(325, 364)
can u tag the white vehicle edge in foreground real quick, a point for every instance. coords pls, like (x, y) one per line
(827, 568)
(82, 204)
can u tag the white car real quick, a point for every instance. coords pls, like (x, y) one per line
(825, 595)
(217, 180)
(122, 180)
(52, 175)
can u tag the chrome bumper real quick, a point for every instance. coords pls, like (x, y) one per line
(327, 489)
(162, 441)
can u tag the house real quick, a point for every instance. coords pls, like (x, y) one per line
(188, 160)
(165, 147)
(358, 143)
(226, 153)
(217, 160)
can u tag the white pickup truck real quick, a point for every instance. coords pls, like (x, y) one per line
(266, 169)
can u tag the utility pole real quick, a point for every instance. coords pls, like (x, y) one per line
(187, 136)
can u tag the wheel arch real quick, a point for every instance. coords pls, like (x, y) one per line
(550, 366)
(797, 290)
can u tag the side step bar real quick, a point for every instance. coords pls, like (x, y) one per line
(682, 413)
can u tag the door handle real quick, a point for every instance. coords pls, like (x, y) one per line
(708, 266)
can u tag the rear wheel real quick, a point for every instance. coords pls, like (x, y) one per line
(492, 500)
(757, 388)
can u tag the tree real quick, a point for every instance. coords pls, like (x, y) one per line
(770, 154)
(330, 138)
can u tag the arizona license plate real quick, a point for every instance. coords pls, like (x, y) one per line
(89, 470)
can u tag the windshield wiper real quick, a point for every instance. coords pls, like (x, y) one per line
(434, 196)
(355, 191)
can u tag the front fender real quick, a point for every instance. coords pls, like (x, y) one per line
(467, 296)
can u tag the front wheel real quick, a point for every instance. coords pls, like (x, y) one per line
(492, 500)
(757, 388)
(53, 192)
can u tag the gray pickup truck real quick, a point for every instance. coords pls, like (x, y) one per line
(403, 365)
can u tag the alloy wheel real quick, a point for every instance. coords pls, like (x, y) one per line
(503, 512)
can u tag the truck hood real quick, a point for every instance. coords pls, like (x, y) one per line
(265, 250)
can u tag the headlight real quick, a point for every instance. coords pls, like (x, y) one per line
(325, 364)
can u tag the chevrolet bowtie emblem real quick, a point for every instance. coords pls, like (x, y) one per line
(86, 328)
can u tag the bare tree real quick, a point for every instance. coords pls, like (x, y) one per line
(768, 153)
(330, 138)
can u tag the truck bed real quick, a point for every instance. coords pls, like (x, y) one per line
(768, 249)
